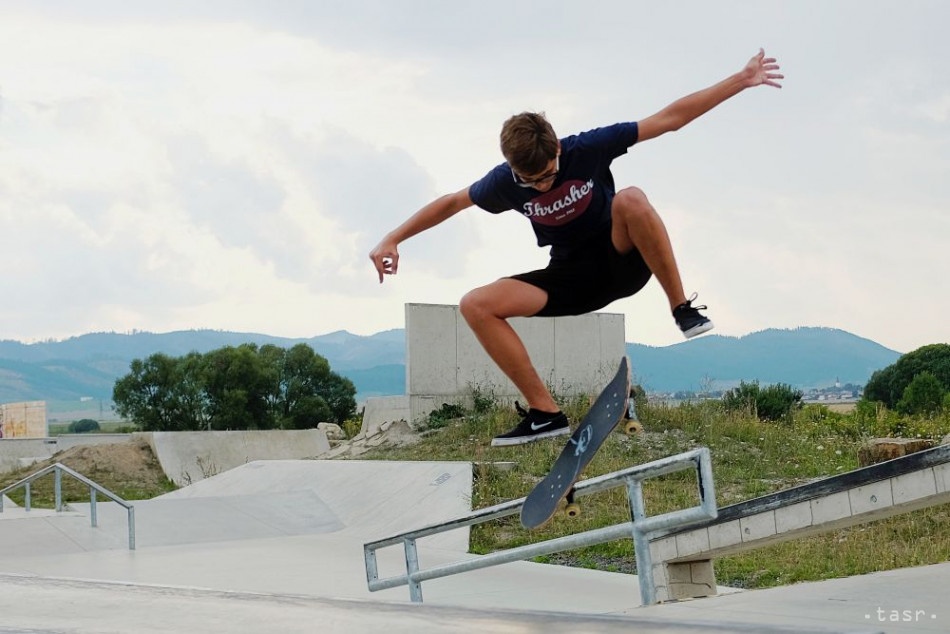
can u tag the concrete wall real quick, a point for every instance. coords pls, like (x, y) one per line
(444, 360)
(384, 409)
(22, 452)
(188, 457)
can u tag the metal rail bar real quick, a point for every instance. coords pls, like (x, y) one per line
(58, 469)
(639, 529)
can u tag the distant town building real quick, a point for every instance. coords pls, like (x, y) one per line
(23, 420)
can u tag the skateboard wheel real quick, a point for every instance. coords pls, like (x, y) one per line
(573, 509)
(632, 427)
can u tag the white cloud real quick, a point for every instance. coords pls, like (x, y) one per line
(229, 165)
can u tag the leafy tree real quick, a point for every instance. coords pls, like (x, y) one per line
(192, 397)
(236, 383)
(239, 387)
(305, 391)
(888, 385)
(924, 395)
(340, 395)
(308, 411)
(148, 395)
(83, 426)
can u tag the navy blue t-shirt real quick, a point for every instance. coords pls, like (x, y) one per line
(577, 206)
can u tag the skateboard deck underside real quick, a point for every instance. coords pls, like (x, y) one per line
(593, 430)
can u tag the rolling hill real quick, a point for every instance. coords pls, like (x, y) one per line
(88, 365)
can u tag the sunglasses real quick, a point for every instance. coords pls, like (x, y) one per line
(537, 181)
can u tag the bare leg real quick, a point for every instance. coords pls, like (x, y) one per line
(487, 309)
(637, 224)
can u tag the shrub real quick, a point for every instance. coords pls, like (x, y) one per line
(742, 398)
(440, 418)
(771, 403)
(83, 426)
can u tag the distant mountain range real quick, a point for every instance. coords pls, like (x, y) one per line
(87, 366)
(802, 357)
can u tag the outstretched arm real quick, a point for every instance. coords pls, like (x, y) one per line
(759, 71)
(385, 256)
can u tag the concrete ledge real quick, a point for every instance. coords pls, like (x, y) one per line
(683, 559)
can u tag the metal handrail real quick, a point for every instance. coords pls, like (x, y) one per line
(58, 469)
(641, 527)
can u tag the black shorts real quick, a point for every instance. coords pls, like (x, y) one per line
(588, 279)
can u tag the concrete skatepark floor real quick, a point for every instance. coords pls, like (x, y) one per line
(296, 579)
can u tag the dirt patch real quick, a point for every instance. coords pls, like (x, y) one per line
(131, 461)
(128, 469)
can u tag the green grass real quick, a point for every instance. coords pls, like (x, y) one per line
(42, 493)
(750, 459)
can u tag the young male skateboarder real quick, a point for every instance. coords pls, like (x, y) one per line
(605, 244)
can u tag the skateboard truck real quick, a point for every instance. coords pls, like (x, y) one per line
(573, 509)
(631, 424)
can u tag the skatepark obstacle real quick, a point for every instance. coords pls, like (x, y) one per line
(58, 469)
(641, 528)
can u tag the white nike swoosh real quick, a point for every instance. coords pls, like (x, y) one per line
(536, 426)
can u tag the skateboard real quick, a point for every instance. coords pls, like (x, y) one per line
(612, 405)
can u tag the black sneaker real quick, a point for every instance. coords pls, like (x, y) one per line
(534, 425)
(689, 319)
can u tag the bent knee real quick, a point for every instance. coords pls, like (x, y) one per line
(473, 304)
(631, 200)
(502, 299)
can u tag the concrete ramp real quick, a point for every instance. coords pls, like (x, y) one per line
(203, 520)
(261, 500)
(371, 498)
(188, 457)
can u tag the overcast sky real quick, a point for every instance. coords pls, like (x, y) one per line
(167, 167)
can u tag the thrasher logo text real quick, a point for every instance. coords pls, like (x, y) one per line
(560, 205)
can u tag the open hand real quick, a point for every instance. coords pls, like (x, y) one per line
(760, 70)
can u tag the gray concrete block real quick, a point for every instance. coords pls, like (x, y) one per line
(690, 580)
(445, 362)
(696, 541)
(830, 508)
(872, 497)
(663, 549)
(792, 518)
(942, 476)
(431, 348)
(913, 486)
(723, 535)
(757, 526)
(382, 410)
